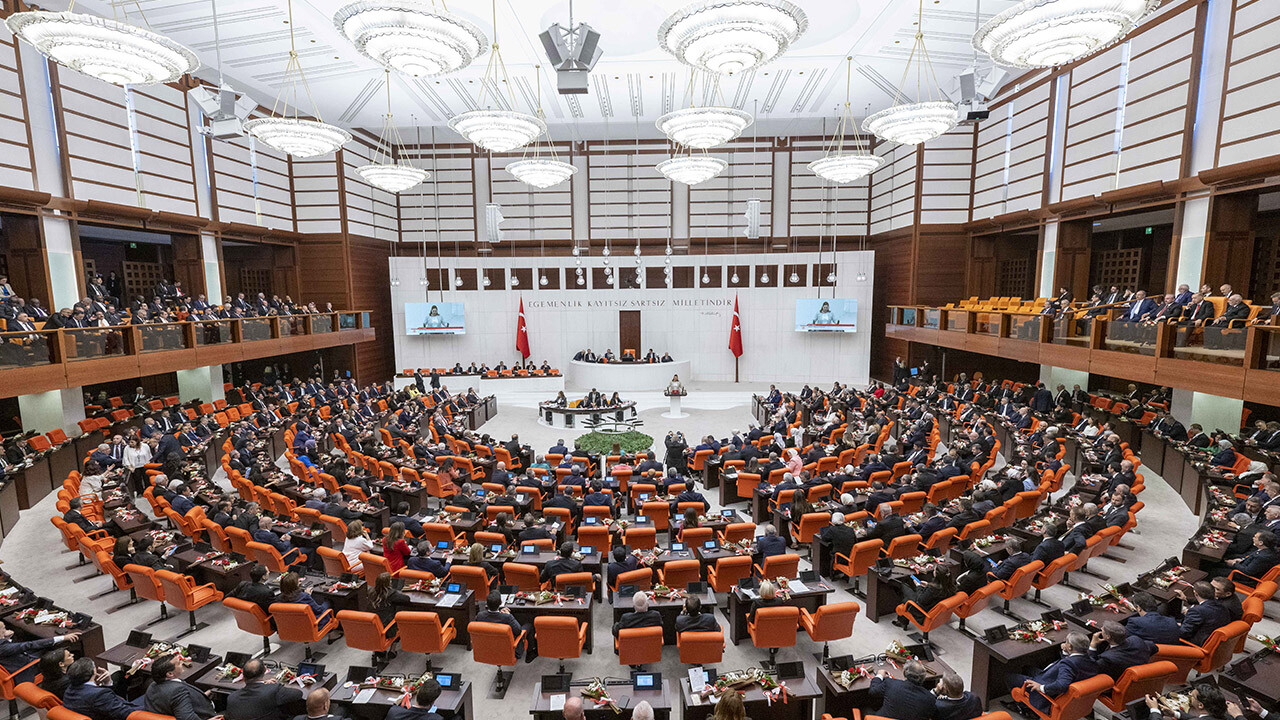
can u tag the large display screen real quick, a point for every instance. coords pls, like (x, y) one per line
(827, 315)
(438, 318)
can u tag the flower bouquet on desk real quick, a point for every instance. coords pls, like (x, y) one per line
(340, 586)
(1219, 515)
(598, 692)
(663, 592)
(740, 680)
(10, 596)
(987, 541)
(1221, 496)
(1036, 630)
(646, 558)
(289, 675)
(410, 688)
(36, 616)
(917, 564)
(229, 672)
(1169, 577)
(1213, 539)
(161, 648)
(619, 525)
(430, 587)
(898, 652)
(1111, 599)
(1270, 644)
(847, 678)
(783, 586)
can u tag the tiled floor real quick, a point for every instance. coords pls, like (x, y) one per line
(33, 554)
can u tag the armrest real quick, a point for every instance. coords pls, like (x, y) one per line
(1237, 573)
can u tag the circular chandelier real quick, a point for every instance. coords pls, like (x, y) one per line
(691, 170)
(912, 123)
(106, 49)
(497, 130)
(389, 174)
(297, 137)
(411, 37)
(1047, 33)
(704, 127)
(846, 167)
(541, 172)
(732, 36)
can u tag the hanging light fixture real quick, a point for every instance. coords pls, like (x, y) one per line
(542, 280)
(764, 276)
(487, 281)
(691, 169)
(707, 126)
(497, 130)
(794, 278)
(109, 50)
(392, 175)
(1048, 33)
(731, 36)
(411, 37)
(457, 280)
(733, 279)
(515, 280)
(911, 123)
(840, 165)
(291, 134)
(538, 170)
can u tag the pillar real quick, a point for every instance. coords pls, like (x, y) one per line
(1212, 412)
(47, 411)
(1053, 376)
(202, 383)
(212, 269)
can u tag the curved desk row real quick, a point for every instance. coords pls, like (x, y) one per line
(490, 386)
(567, 417)
(624, 376)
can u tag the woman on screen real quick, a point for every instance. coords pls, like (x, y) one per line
(434, 319)
(824, 316)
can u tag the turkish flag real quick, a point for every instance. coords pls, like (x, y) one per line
(735, 331)
(522, 333)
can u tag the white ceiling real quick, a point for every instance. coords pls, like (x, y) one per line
(633, 84)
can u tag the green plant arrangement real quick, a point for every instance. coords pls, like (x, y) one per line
(599, 443)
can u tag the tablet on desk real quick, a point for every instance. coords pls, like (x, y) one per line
(448, 681)
(495, 548)
(710, 545)
(313, 669)
(790, 670)
(443, 545)
(728, 513)
(558, 683)
(238, 658)
(453, 587)
(677, 546)
(138, 638)
(591, 520)
(529, 549)
(587, 550)
(645, 681)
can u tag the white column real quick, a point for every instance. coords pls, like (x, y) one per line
(1053, 376)
(202, 383)
(581, 201)
(62, 263)
(1048, 260)
(47, 411)
(212, 274)
(480, 168)
(779, 208)
(1195, 225)
(680, 214)
(1212, 412)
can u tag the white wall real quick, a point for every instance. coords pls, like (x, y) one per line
(689, 323)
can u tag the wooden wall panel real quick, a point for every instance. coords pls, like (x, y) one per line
(1009, 164)
(15, 150)
(893, 188)
(717, 206)
(1251, 105)
(371, 290)
(1089, 161)
(819, 208)
(1157, 100)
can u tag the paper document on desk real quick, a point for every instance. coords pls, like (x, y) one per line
(795, 586)
(449, 600)
(557, 702)
(364, 696)
(751, 594)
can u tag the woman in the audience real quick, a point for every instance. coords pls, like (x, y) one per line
(291, 592)
(394, 547)
(357, 542)
(384, 600)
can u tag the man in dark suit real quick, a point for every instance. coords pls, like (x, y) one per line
(1116, 651)
(1041, 399)
(495, 613)
(254, 590)
(1235, 310)
(622, 562)
(1202, 617)
(169, 695)
(692, 619)
(889, 527)
(264, 535)
(1058, 676)
(411, 524)
(85, 696)
(1196, 437)
(1050, 547)
(259, 700)
(838, 537)
(1197, 311)
(1017, 558)
(640, 616)
(907, 699)
(1150, 624)
(562, 565)
(75, 517)
(1257, 562)
(770, 543)
(423, 701)
(564, 500)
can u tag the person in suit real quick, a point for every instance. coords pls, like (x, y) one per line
(494, 612)
(770, 543)
(1016, 559)
(1257, 562)
(1197, 438)
(264, 535)
(1196, 311)
(1054, 680)
(692, 619)
(837, 537)
(1115, 650)
(640, 616)
(170, 695)
(954, 702)
(1203, 616)
(889, 527)
(1225, 457)
(74, 516)
(14, 655)
(318, 707)
(423, 702)
(291, 592)
(1234, 310)
(564, 564)
(1050, 547)
(259, 700)
(1138, 309)
(622, 562)
(907, 699)
(89, 694)
(768, 597)
(254, 590)
(1150, 624)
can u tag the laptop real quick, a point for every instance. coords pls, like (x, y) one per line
(138, 639)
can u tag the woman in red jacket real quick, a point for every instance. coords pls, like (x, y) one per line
(394, 548)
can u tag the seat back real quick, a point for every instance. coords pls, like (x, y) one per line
(295, 622)
(1054, 572)
(335, 563)
(364, 631)
(1139, 681)
(268, 556)
(979, 599)
(833, 622)
(523, 577)
(701, 648)
(1183, 657)
(941, 540)
(422, 632)
(658, 512)
(493, 643)
(775, 627)
(559, 636)
(1221, 645)
(695, 537)
(580, 579)
(641, 538)
(737, 532)
(775, 566)
(250, 617)
(677, 574)
(810, 524)
(178, 589)
(1077, 702)
(727, 571)
(639, 646)
(31, 694)
(1020, 582)
(239, 539)
(435, 533)
(861, 558)
(474, 578)
(640, 578)
(145, 583)
(903, 546)
(598, 537)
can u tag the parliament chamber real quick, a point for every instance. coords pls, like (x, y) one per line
(726, 359)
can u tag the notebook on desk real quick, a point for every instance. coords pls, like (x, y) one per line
(448, 600)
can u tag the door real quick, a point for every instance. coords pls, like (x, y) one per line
(629, 332)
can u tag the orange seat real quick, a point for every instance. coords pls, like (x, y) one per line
(776, 566)
(580, 579)
(560, 637)
(364, 631)
(640, 578)
(597, 537)
(774, 628)
(422, 632)
(473, 577)
(737, 532)
(374, 565)
(932, 620)
(1183, 657)
(147, 585)
(1077, 702)
(701, 648)
(903, 546)
(271, 557)
(639, 646)
(33, 695)
(809, 525)
(725, 574)
(978, 601)
(494, 644)
(677, 574)
(182, 592)
(831, 622)
(1221, 645)
(525, 578)
(1019, 583)
(641, 538)
(1053, 574)
(1137, 682)
(295, 622)
(335, 562)
(862, 558)
(251, 618)
(697, 536)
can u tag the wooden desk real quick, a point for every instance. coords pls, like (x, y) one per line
(224, 579)
(885, 590)
(1264, 685)
(739, 604)
(624, 696)
(579, 610)
(801, 692)
(840, 701)
(994, 662)
(1152, 452)
(456, 703)
(126, 655)
(462, 612)
(220, 689)
(91, 640)
(669, 609)
(1204, 556)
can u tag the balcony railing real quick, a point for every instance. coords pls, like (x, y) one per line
(1236, 362)
(45, 360)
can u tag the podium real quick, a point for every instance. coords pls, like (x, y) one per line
(674, 412)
